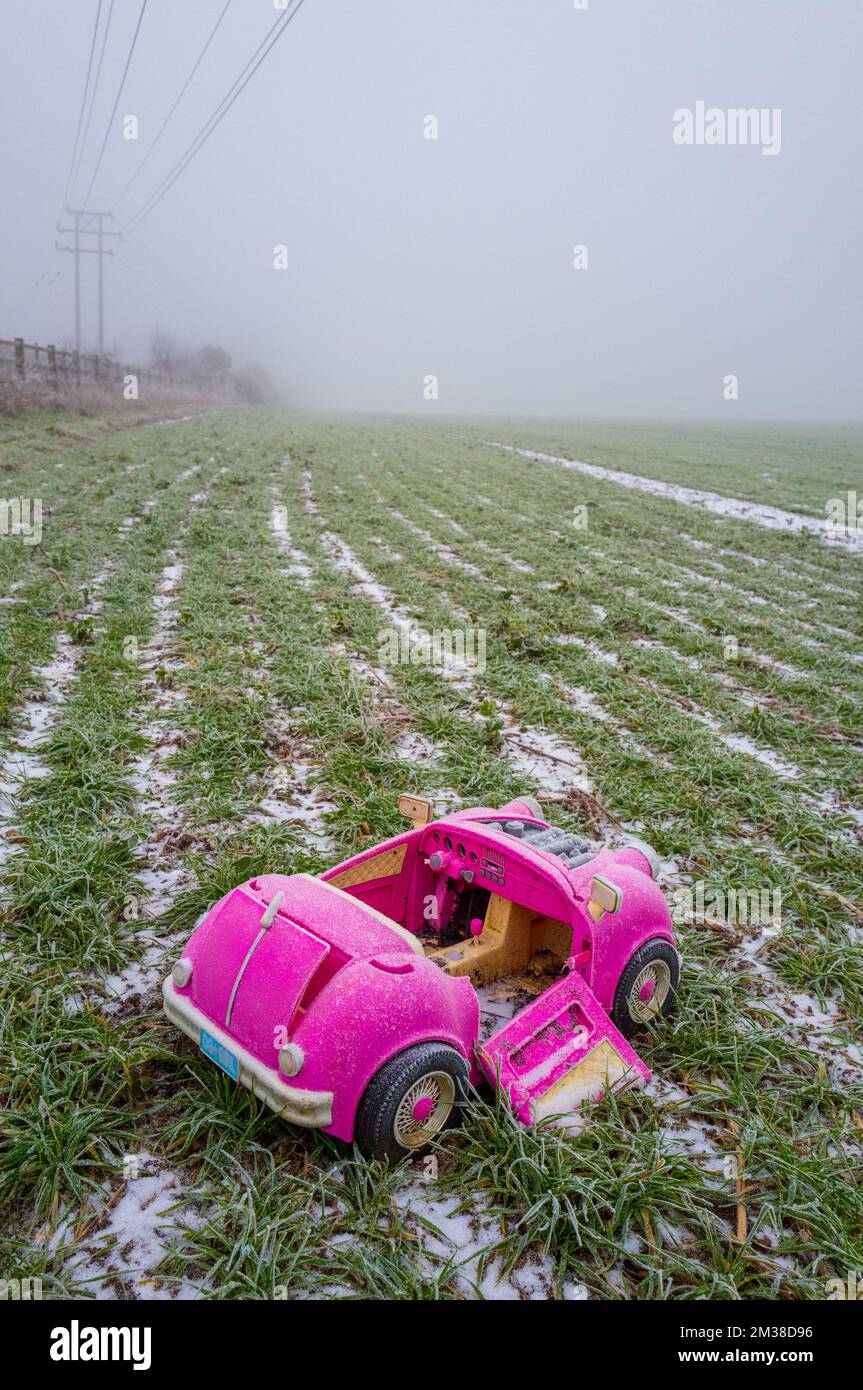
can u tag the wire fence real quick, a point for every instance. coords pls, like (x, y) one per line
(61, 368)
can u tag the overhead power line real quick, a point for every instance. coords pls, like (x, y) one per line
(83, 144)
(83, 103)
(268, 43)
(116, 102)
(183, 91)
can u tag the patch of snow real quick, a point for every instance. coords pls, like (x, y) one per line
(570, 639)
(467, 1239)
(122, 1256)
(300, 567)
(37, 716)
(292, 801)
(584, 702)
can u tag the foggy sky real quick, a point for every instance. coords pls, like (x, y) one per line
(408, 256)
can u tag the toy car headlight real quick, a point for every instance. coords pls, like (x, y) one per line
(182, 972)
(291, 1059)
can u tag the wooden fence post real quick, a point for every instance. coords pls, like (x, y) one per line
(19, 357)
(52, 365)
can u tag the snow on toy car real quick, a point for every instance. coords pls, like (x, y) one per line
(319, 995)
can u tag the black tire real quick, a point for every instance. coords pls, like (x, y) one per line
(664, 958)
(380, 1130)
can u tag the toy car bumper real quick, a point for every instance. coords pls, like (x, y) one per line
(314, 1109)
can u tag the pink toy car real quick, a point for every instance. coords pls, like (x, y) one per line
(351, 1003)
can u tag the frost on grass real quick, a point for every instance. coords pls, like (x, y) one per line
(128, 524)
(406, 743)
(828, 803)
(438, 548)
(124, 1237)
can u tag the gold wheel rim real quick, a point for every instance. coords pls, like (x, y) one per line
(657, 973)
(437, 1087)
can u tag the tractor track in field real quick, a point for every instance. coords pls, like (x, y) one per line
(299, 566)
(406, 742)
(294, 798)
(534, 752)
(38, 715)
(744, 595)
(736, 508)
(819, 803)
(164, 876)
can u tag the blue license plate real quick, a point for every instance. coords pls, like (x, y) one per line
(218, 1053)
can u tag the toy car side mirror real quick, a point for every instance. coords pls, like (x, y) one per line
(605, 896)
(416, 809)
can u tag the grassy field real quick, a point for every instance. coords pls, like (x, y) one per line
(193, 690)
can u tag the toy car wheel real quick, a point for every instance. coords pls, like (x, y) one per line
(410, 1100)
(646, 988)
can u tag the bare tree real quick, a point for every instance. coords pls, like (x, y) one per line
(164, 351)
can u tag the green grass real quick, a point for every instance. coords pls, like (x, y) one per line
(270, 676)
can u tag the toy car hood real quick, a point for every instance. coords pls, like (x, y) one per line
(237, 955)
